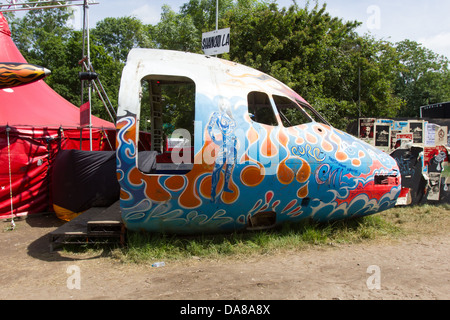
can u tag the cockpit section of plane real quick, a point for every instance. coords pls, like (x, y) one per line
(230, 148)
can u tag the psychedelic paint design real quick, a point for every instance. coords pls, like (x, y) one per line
(245, 174)
(19, 74)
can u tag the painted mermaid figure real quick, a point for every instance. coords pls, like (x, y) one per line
(222, 123)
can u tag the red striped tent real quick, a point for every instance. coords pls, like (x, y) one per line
(35, 124)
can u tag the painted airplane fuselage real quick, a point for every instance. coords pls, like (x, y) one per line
(250, 170)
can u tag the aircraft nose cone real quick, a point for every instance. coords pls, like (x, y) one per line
(386, 184)
(46, 72)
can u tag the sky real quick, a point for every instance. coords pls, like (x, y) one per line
(424, 21)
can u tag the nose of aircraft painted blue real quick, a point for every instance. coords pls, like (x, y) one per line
(383, 183)
(356, 180)
(385, 175)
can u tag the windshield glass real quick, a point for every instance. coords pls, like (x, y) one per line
(296, 113)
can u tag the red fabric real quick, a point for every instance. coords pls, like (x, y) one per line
(30, 156)
(4, 27)
(35, 104)
(32, 152)
(35, 113)
(101, 140)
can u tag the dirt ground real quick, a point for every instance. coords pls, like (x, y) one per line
(415, 267)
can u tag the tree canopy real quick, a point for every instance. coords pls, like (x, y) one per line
(342, 74)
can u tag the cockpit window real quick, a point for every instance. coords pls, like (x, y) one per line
(260, 108)
(313, 113)
(291, 114)
(296, 113)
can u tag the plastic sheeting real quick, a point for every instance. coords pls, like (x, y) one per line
(83, 179)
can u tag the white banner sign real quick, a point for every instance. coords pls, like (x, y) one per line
(216, 42)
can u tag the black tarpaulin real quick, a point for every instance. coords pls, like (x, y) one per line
(83, 179)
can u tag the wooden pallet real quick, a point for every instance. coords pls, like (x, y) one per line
(94, 226)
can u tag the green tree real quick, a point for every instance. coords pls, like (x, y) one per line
(44, 38)
(41, 36)
(203, 12)
(119, 35)
(319, 56)
(176, 32)
(342, 74)
(111, 41)
(423, 78)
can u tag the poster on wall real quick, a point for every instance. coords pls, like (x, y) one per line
(403, 140)
(434, 186)
(402, 126)
(387, 122)
(398, 127)
(441, 136)
(434, 158)
(393, 143)
(382, 136)
(430, 134)
(417, 129)
(366, 129)
(445, 175)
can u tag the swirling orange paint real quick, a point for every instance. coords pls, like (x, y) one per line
(311, 138)
(252, 135)
(326, 146)
(230, 197)
(205, 187)
(251, 176)
(174, 183)
(268, 148)
(302, 192)
(341, 156)
(124, 195)
(155, 191)
(304, 172)
(284, 174)
(135, 176)
(283, 138)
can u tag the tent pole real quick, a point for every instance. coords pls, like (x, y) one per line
(84, 49)
(90, 83)
(86, 31)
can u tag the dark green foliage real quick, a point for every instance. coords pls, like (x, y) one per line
(342, 74)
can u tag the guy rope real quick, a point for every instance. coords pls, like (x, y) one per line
(13, 225)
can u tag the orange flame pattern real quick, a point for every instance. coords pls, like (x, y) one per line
(18, 74)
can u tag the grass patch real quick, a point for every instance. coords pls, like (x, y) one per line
(147, 248)
(421, 219)
(399, 222)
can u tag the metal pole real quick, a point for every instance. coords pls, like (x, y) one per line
(6, 8)
(90, 81)
(217, 15)
(84, 51)
(359, 89)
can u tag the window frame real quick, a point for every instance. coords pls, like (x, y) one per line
(270, 106)
(161, 166)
